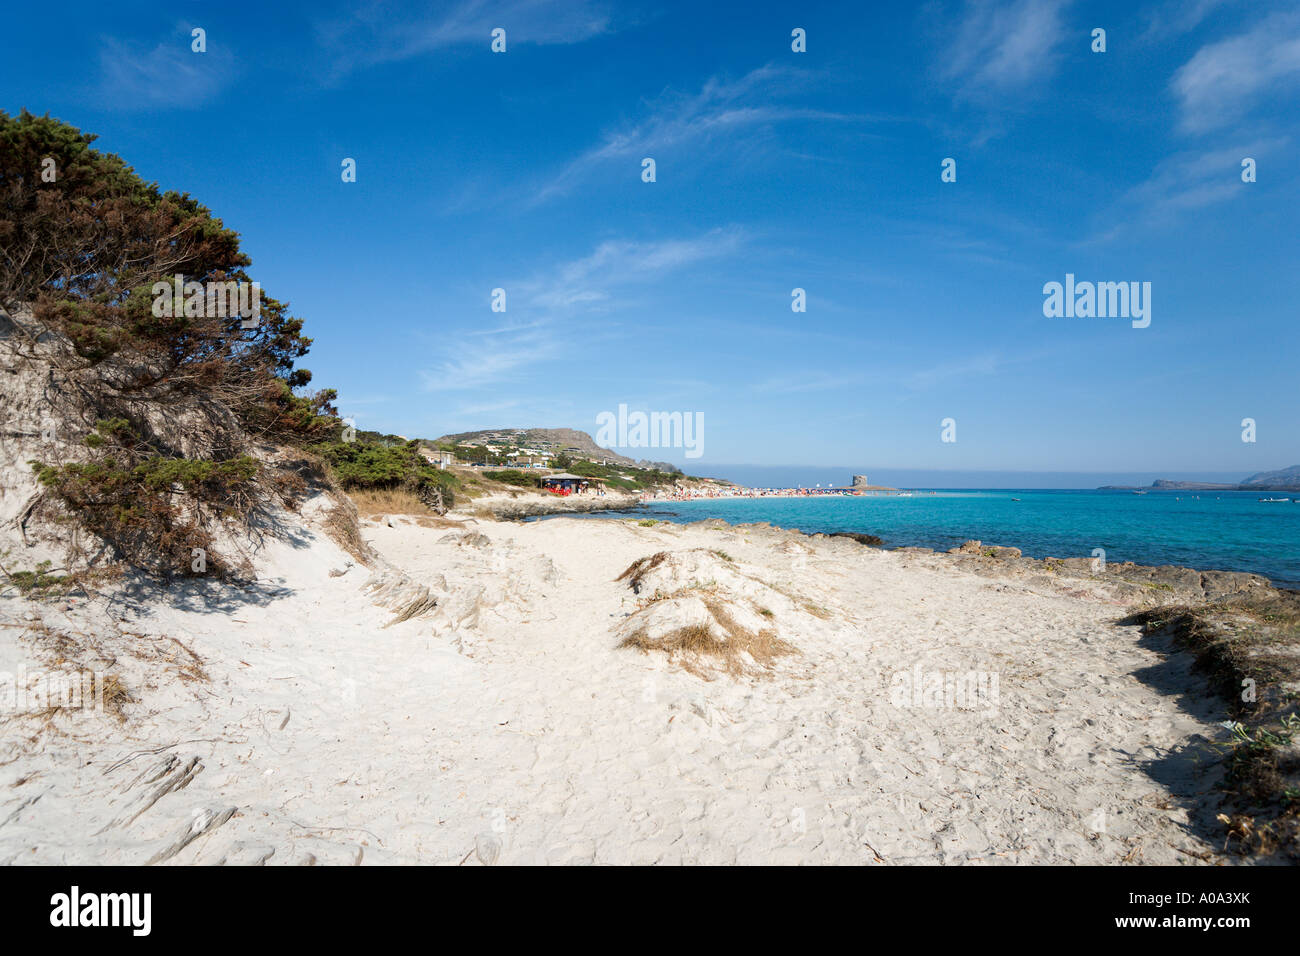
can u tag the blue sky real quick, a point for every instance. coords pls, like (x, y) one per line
(775, 170)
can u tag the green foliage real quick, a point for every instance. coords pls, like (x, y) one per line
(85, 250)
(37, 583)
(513, 476)
(639, 481)
(153, 511)
(376, 461)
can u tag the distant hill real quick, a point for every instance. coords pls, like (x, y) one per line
(549, 440)
(1284, 479)
(1165, 484)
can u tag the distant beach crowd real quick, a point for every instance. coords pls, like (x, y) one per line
(686, 493)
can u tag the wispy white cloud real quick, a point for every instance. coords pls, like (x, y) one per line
(722, 107)
(893, 377)
(999, 46)
(552, 297)
(1186, 182)
(132, 76)
(1176, 17)
(1226, 79)
(378, 32)
(595, 280)
(988, 363)
(492, 358)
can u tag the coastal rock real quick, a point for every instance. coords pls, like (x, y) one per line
(530, 505)
(1080, 565)
(1187, 584)
(986, 551)
(870, 540)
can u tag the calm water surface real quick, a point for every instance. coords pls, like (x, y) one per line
(1228, 531)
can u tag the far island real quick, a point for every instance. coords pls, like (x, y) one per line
(1284, 479)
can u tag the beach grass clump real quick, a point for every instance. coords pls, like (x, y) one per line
(638, 569)
(701, 648)
(39, 583)
(1249, 649)
(113, 697)
(703, 614)
(116, 696)
(106, 692)
(344, 530)
(382, 501)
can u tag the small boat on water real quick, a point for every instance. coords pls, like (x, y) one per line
(1274, 499)
(1139, 492)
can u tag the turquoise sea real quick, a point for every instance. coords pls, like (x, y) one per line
(1228, 531)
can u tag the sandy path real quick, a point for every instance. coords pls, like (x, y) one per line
(509, 719)
(623, 759)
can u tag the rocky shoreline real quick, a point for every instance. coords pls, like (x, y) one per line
(518, 508)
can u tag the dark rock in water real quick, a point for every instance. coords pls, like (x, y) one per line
(868, 539)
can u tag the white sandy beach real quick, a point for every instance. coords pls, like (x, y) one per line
(291, 724)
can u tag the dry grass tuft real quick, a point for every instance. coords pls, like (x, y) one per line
(112, 699)
(639, 568)
(387, 501)
(343, 528)
(116, 697)
(734, 649)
